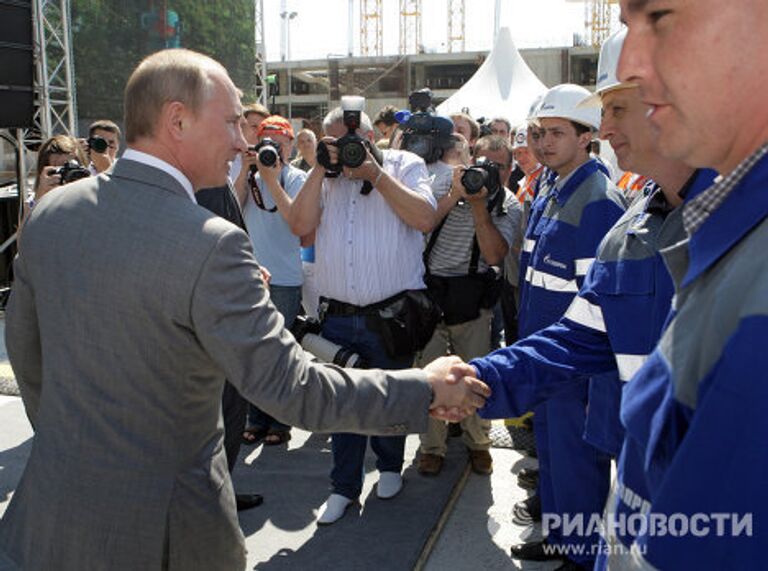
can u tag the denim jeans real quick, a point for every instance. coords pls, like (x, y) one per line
(349, 449)
(287, 300)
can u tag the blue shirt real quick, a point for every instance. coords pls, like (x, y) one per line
(274, 245)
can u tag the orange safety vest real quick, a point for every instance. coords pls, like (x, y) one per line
(526, 185)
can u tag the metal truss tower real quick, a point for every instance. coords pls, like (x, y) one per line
(260, 53)
(55, 109)
(410, 27)
(600, 21)
(371, 28)
(456, 23)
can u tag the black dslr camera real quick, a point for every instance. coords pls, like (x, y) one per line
(484, 173)
(352, 147)
(268, 151)
(98, 144)
(426, 133)
(71, 171)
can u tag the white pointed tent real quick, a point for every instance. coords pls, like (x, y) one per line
(503, 86)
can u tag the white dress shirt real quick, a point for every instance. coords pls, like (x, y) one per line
(153, 161)
(364, 251)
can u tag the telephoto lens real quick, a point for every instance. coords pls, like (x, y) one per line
(268, 155)
(352, 153)
(98, 144)
(474, 179)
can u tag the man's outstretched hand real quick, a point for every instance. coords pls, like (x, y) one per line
(457, 391)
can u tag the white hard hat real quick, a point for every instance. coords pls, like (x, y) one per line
(534, 108)
(607, 66)
(521, 137)
(563, 100)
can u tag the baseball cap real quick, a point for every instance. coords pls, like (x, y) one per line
(275, 125)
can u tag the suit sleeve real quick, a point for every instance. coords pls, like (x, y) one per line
(22, 340)
(243, 332)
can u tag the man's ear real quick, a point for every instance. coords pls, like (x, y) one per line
(585, 140)
(175, 119)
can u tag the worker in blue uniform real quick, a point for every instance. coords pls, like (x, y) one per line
(696, 413)
(615, 321)
(564, 230)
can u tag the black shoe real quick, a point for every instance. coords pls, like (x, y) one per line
(533, 551)
(528, 511)
(248, 501)
(528, 478)
(570, 566)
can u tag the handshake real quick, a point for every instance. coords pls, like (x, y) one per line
(457, 393)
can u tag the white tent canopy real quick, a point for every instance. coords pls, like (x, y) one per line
(503, 86)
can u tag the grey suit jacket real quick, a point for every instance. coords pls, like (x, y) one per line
(131, 305)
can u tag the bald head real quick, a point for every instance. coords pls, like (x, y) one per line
(175, 75)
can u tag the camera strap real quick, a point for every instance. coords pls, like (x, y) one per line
(258, 199)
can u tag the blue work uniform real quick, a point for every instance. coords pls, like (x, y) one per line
(696, 413)
(566, 226)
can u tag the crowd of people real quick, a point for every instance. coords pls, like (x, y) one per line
(481, 270)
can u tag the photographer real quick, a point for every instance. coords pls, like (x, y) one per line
(480, 219)
(267, 188)
(102, 145)
(59, 160)
(369, 221)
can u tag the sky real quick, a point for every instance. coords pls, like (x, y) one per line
(320, 28)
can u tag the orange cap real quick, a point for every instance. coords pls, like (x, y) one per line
(275, 125)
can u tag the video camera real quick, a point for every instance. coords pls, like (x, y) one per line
(70, 172)
(306, 330)
(484, 173)
(352, 147)
(424, 132)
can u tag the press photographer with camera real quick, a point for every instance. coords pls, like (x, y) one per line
(266, 190)
(370, 209)
(59, 161)
(102, 145)
(479, 220)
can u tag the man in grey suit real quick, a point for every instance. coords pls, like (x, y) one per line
(130, 307)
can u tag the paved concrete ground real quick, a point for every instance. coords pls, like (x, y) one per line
(475, 532)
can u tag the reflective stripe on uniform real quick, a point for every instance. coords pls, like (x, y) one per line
(582, 265)
(629, 364)
(528, 245)
(549, 282)
(586, 314)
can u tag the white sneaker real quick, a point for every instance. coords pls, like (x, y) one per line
(333, 509)
(390, 484)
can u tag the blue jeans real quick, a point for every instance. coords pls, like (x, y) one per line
(287, 300)
(349, 449)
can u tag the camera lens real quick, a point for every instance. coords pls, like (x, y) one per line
(352, 154)
(268, 156)
(98, 144)
(474, 179)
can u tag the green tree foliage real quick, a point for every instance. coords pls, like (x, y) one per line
(110, 37)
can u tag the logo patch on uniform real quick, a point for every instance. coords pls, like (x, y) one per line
(549, 261)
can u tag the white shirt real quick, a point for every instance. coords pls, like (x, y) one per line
(364, 251)
(153, 161)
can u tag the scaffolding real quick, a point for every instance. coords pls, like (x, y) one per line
(55, 104)
(371, 28)
(260, 54)
(410, 27)
(456, 25)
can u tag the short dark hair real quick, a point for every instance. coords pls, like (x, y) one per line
(581, 128)
(104, 125)
(386, 115)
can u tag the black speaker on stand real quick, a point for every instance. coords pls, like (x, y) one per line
(17, 108)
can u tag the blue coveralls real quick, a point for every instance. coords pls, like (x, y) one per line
(564, 230)
(696, 413)
(616, 319)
